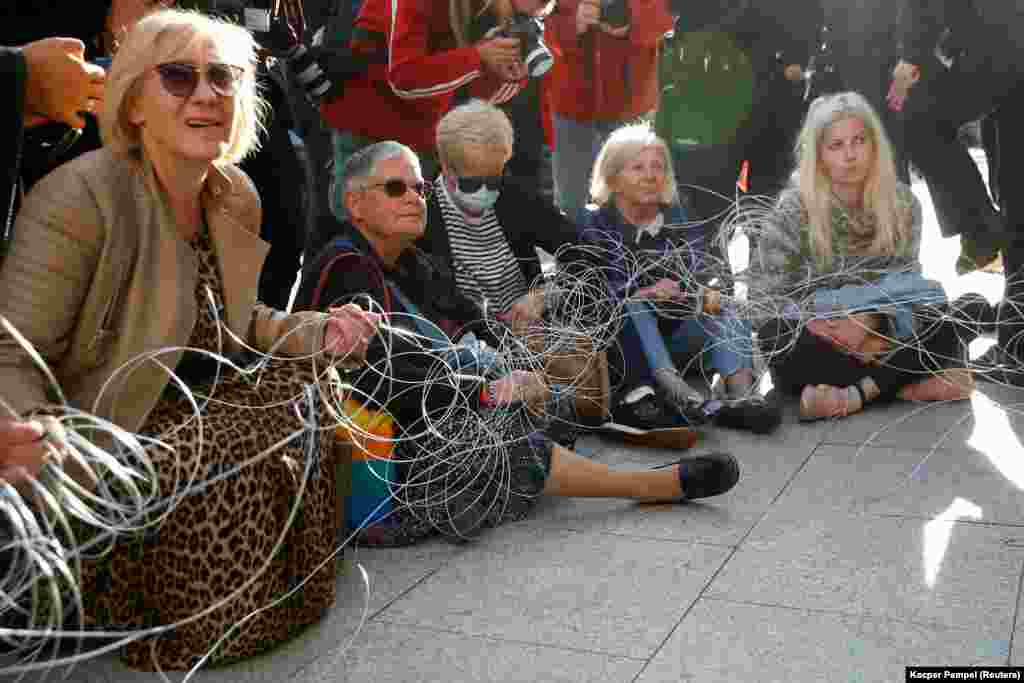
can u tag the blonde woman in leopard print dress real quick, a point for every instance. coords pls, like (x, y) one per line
(152, 243)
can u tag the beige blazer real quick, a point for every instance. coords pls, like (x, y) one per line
(98, 274)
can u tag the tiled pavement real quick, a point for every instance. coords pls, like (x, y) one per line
(848, 551)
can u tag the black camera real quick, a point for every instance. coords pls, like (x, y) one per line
(530, 32)
(268, 25)
(615, 13)
(254, 15)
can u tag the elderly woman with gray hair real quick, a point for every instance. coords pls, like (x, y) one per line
(121, 260)
(658, 263)
(468, 453)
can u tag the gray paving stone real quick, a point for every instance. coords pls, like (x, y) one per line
(937, 573)
(992, 416)
(962, 484)
(716, 521)
(767, 462)
(391, 653)
(723, 642)
(722, 520)
(390, 572)
(614, 594)
(906, 425)
(1016, 646)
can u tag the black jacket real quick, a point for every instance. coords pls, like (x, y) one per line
(984, 27)
(12, 84)
(22, 21)
(402, 375)
(770, 33)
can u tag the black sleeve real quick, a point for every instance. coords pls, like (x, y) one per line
(799, 28)
(400, 374)
(24, 21)
(434, 241)
(13, 81)
(530, 221)
(923, 23)
(281, 180)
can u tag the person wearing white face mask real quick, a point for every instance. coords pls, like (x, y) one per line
(483, 229)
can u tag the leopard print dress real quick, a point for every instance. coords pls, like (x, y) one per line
(214, 541)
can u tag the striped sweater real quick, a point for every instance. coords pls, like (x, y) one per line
(485, 268)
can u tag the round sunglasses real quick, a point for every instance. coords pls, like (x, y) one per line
(181, 79)
(396, 187)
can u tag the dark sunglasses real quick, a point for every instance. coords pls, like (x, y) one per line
(181, 80)
(396, 187)
(470, 184)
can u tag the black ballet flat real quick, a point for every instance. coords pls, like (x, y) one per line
(707, 474)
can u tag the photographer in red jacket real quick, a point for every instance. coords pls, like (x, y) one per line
(605, 75)
(419, 54)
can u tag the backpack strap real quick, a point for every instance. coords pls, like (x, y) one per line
(347, 250)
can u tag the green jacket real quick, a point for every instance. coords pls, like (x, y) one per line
(707, 89)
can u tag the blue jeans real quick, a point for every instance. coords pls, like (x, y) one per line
(576, 147)
(721, 343)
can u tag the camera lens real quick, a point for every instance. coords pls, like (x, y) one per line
(536, 56)
(539, 61)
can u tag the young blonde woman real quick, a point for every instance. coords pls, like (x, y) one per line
(840, 256)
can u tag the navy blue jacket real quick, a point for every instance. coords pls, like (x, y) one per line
(606, 229)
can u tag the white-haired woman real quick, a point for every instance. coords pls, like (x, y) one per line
(483, 231)
(843, 244)
(657, 264)
(148, 245)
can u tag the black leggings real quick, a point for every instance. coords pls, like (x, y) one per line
(798, 358)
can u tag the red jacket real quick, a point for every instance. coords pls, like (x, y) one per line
(600, 78)
(404, 98)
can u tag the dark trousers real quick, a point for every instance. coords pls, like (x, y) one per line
(798, 358)
(1010, 144)
(945, 99)
(282, 180)
(765, 138)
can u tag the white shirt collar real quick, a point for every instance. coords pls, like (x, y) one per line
(652, 228)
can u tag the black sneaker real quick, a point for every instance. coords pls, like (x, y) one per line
(754, 413)
(708, 474)
(648, 421)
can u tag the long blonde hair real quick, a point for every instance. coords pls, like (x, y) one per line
(881, 187)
